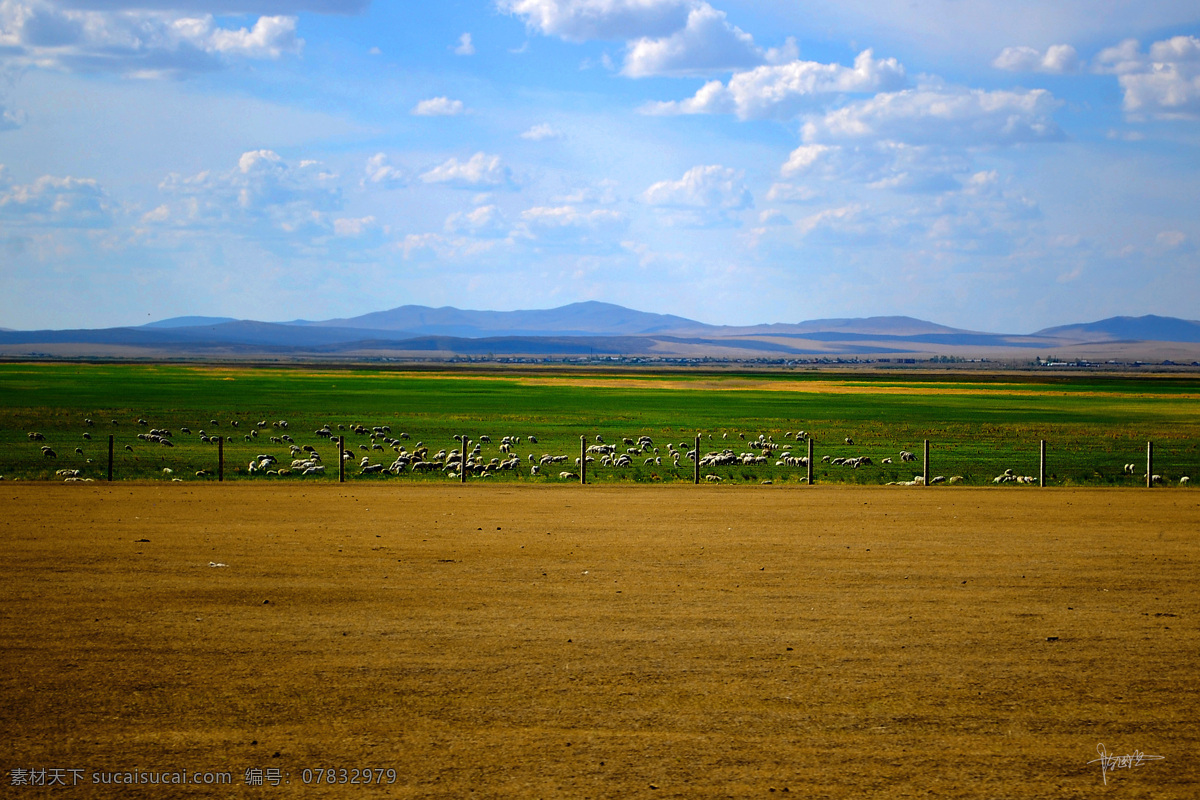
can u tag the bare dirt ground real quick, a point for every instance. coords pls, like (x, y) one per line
(523, 642)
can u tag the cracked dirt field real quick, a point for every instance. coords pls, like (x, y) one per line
(525, 642)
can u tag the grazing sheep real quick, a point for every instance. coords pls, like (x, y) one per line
(1184, 480)
(567, 475)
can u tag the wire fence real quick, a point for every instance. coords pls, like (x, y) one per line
(797, 458)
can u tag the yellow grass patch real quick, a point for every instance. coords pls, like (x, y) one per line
(604, 642)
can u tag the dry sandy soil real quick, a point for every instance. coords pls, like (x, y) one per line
(486, 641)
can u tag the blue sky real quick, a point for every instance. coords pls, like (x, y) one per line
(999, 166)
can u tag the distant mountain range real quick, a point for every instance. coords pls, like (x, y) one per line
(594, 328)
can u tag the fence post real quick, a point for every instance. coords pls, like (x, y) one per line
(110, 457)
(926, 478)
(696, 462)
(1042, 464)
(462, 468)
(1149, 464)
(582, 460)
(220, 458)
(341, 459)
(810, 458)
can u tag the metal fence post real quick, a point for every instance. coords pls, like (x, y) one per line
(696, 462)
(926, 478)
(810, 460)
(110, 457)
(220, 458)
(341, 459)
(1149, 464)
(1042, 464)
(582, 460)
(462, 468)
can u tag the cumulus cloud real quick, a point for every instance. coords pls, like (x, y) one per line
(1165, 83)
(583, 20)
(262, 190)
(542, 132)
(663, 37)
(381, 173)
(354, 228)
(603, 193)
(708, 43)
(484, 222)
(791, 193)
(804, 157)
(706, 195)
(55, 202)
(134, 42)
(480, 171)
(438, 107)
(710, 186)
(782, 91)
(883, 164)
(579, 230)
(225, 6)
(465, 46)
(570, 217)
(11, 120)
(1058, 59)
(942, 115)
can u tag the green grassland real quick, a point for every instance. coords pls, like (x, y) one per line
(978, 427)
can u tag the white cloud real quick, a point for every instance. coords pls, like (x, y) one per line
(582, 20)
(559, 217)
(836, 222)
(883, 164)
(134, 42)
(350, 227)
(1172, 240)
(1164, 83)
(379, 171)
(11, 120)
(542, 132)
(480, 171)
(804, 157)
(708, 43)
(55, 202)
(419, 244)
(603, 193)
(485, 221)
(942, 115)
(270, 37)
(573, 229)
(438, 107)
(706, 196)
(784, 90)
(464, 47)
(225, 6)
(262, 194)
(791, 193)
(1058, 59)
(710, 186)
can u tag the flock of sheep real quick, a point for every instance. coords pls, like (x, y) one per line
(373, 456)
